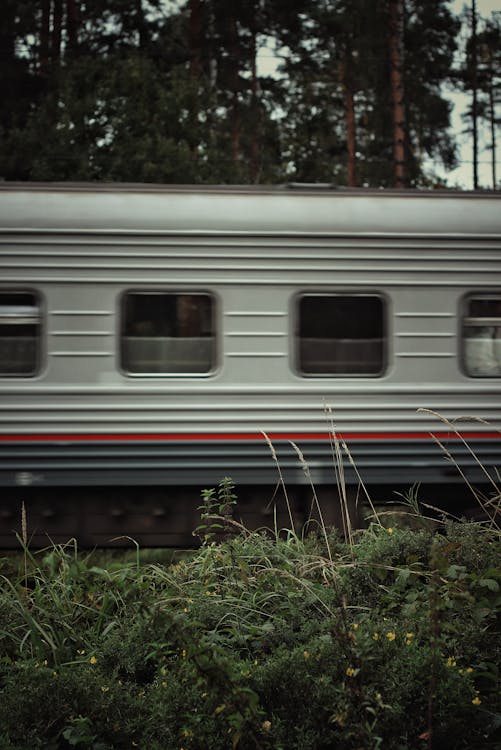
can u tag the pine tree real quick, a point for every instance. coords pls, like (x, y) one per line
(396, 59)
(489, 56)
(480, 76)
(135, 90)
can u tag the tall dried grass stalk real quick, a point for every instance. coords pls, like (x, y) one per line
(491, 507)
(306, 470)
(338, 446)
(337, 460)
(24, 537)
(24, 524)
(282, 483)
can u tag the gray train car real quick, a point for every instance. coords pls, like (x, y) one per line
(150, 335)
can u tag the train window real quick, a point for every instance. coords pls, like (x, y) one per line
(482, 336)
(19, 334)
(165, 333)
(340, 334)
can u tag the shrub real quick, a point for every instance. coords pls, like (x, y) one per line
(392, 640)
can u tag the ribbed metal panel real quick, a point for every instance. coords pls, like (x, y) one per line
(291, 262)
(142, 412)
(197, 462)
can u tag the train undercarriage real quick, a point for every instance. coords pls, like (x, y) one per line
(166, 516)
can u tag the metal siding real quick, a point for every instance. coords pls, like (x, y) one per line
(150, 463)
(245, 211)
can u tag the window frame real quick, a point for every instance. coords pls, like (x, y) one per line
(39, 304)
(171, 291)
(295, 324)
(463, 319)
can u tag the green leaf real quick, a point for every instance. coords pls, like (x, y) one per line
(489, 583)
(456, 571)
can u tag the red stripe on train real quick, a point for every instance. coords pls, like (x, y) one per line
(244, 436)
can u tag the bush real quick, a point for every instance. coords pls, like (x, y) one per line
(257, 642)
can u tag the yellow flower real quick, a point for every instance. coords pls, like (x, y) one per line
(469, 670)
(104, 689)
(266, 725)
(355, 626)
(306, 654)
(183, 653)
(351, 672)
(391, 635)
(164, 684)
(390, 530)
(409, 636)
(476, 701)
(93, 660)
(376, 637)
(451, 662)
(339, 719)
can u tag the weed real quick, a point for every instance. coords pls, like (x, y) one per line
(216, 511)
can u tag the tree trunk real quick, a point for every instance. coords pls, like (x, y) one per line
(255, 113)
(236, 116)
(351, 137)
(396, 9)
(492, 123)
(349, 110)
(141, 26)
(195, 36)
(57, 31)
(474, 87)
(72, 25)
(195, 45)
(45, 36)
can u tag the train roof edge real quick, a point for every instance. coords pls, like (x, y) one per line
(288, 187)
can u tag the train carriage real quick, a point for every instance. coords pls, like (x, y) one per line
(150, 335)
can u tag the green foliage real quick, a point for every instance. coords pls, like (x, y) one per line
(176, 93)
(258, 642)
(216, 510)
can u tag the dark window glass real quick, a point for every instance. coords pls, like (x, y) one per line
(168, 333)
(341, 335)
(482, 336)
(19, 334)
